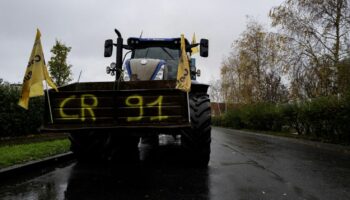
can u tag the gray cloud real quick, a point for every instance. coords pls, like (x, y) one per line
(84, 25)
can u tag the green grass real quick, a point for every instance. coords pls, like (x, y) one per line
(21, 153)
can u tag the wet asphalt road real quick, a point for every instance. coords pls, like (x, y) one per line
(242, 166)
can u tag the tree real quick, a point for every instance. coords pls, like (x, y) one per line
(319, 33)
(215, 93)
(59, 69)
(344, 76)
(231, 79)
(252, 73)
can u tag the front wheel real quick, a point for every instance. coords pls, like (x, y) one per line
(196, 140)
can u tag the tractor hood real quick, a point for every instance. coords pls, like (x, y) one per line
(143, 69)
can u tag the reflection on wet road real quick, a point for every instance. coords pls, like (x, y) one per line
(242, 166)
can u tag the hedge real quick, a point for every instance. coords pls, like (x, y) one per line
(14, 120)
(325, 118)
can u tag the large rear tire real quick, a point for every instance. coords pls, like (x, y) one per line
(196, 140)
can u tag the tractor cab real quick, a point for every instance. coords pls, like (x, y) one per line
(152, 58)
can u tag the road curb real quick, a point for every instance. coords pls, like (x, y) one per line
(35, 165)
(326, 146)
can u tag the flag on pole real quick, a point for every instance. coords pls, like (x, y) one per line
(183, 81)
(194, 49)
(36, 72)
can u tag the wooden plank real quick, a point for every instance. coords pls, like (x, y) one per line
(86, 120)
(78, 127)
(120, 112)
(146, 120)
(76, 102)
(120, 121)
(128, 85)
(78, 94)
(97, 112)
(107, 99)
(154, 111)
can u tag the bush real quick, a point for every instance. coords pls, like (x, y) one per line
(290, 117)
(324, 118)
(233, 119)
(261, 116)
(14, 120)
(217, 121)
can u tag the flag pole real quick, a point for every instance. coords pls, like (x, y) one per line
(48, 100)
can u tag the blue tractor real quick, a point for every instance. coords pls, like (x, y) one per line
(107, 119)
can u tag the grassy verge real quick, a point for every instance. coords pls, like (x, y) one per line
(27, 139)
(21, 153)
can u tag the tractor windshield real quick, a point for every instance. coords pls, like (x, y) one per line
(169, 55)
(162, 53)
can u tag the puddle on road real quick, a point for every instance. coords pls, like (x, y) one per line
(46, 185)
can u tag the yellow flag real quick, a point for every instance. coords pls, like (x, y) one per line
(194, 49)
(35, 74)
(183, 81)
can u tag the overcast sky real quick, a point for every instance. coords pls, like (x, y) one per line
(84, 25)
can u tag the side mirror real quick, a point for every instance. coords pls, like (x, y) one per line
(204, 48)
(108, 48)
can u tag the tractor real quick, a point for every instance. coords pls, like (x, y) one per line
(107, 120)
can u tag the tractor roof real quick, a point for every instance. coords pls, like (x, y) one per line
(139, 43)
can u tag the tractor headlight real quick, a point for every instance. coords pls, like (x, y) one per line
(160, 73)
(126, 75)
